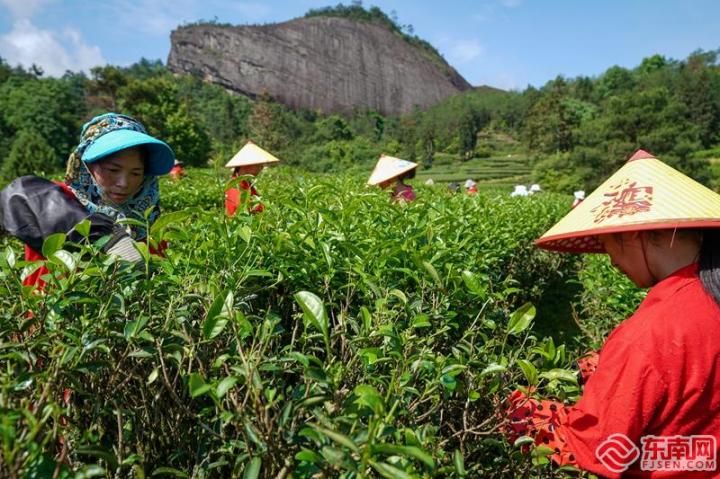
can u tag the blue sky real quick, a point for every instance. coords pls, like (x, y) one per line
(504, 43)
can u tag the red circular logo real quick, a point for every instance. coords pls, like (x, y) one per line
(617, 452)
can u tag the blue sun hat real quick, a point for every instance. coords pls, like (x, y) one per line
(112, 132)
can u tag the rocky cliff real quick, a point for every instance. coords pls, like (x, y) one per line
(320, 63)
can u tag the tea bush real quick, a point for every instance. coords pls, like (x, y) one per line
(335, 335)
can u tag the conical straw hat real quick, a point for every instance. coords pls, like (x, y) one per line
(388, 167)
(250, 154)
(644, 194)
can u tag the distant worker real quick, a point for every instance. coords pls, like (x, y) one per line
(454, 187)
(520, 190)
(178, 171)
(534, 188)
(249, 161)
(391, 171)
(429, 182)
(471, 187)
(579, 197)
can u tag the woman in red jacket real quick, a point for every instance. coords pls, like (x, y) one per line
(248, 162)
(655, 395)
(392, 172)
(112, 174)
(177, 171)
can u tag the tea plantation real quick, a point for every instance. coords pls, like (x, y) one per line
(334, 335)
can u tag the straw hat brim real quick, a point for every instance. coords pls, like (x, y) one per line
(251, 154)
(644, 194)
(389, 168)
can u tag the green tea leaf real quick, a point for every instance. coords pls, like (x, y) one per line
(459, 462)
(169, 471)
(370, 397)
(314, 311)
(225, 385)
(390, 472)
(523, 440)
(406, 451)
(252, 470)
(64, 258)
(472, 283)
(339, 438)
(53, 243)
(152, 376)
(521, 319)
(245, 233)
(169, 219)
(421, 321)
(529, 370)
(493, 368)
(307, 455)
(432, 272)
(560, 374)
(83, 228)
(197, 385)
(10, 257)
(218, 315)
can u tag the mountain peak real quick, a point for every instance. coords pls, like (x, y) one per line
(326, 63)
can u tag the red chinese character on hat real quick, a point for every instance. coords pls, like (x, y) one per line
(624, 199)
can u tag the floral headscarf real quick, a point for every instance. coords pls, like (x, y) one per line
(90, 194)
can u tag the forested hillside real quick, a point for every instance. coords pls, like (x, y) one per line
(572, 132)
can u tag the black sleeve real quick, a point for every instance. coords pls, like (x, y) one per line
(32, 208)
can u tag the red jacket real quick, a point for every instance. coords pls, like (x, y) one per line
(658, 374)
(233, 198)
(177, 172)
(404, 192)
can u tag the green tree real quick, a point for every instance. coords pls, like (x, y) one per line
(156, 103)
(30, 154)
(223, 116)
(106, 81)
(699, 91)
(189, 142)
(265, 124)
(333, 127)
(5, 70)
(471, 122)
(615, 80)
(426, 140)
(551, 119)
(54, 108)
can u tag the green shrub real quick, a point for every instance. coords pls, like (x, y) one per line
(29, 154)
(335, 334)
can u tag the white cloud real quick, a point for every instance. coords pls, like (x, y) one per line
(24, 8)
(56, 53)
(159, 17)
(151, 17)
(464, 51)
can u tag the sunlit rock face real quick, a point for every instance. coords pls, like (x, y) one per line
(330, 64)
